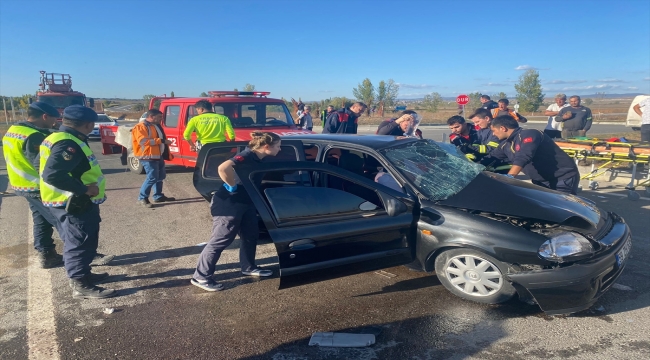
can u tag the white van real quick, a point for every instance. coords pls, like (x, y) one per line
(634, 119)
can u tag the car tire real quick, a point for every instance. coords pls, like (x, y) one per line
(471, 284)
(135, 165)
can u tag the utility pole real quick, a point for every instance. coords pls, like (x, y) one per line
(13, 110)
(4, 106)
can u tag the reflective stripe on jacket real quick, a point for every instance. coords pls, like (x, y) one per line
(54, 197)
(147, 143)
(22, 175)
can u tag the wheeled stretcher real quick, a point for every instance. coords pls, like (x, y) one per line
(610, 156)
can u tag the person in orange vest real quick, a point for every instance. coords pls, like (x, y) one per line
(503, 110)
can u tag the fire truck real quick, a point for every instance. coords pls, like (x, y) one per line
(248, 111)
(56, 90)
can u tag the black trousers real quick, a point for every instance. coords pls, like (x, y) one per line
(80, 235)
(567, 185)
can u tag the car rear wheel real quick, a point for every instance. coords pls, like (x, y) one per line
(474, 276)
(135, 165)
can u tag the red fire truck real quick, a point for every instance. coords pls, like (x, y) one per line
(248, 112)
(56, 90)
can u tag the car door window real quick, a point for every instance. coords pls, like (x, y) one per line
(191, 112)
(308, 203)
(363, 164)
(328, 195)
(172, 113)
(215, 157)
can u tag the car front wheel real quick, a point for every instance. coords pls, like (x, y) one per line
(135, 165)
(473, 275)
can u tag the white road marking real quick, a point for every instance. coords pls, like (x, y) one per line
(41, 325)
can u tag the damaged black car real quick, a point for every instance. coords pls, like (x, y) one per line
(338, 205)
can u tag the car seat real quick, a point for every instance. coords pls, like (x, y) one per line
(243, 121)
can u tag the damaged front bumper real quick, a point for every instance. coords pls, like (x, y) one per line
(576, 287)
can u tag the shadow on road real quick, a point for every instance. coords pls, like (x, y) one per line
(407, 285)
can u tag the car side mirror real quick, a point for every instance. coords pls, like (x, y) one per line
(395, 207)
(91, 102)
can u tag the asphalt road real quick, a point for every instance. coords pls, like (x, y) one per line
(159, 315)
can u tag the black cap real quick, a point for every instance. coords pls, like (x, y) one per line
(79, 113)
(46, 108)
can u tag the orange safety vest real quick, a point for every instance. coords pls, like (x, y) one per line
(510, 112)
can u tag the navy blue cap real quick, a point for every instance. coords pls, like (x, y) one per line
(46, 108)
(79, 113)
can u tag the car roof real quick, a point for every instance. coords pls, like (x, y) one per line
(224, 99)
(371, 141)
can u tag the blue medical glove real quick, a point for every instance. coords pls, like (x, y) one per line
(230, 188)
(508, 175)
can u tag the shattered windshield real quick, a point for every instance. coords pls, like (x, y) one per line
(437, 173)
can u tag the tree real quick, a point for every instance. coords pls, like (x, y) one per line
(589, 101)
(432, 102)
(365, 92)
(203, 94)
(529, 91)
(172, 94)
(474, 101)
(499, 96)
(249, 87)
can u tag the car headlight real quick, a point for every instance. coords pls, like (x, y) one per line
(567, 246)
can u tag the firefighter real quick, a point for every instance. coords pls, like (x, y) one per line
(233, 213)
(21, 145)
(486, 139)
(534, 153)
(463, 135)
(72, 185)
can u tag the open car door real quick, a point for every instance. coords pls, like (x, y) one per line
(206, 175)
(327, 222)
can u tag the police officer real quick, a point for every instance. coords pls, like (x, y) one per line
(72, 186)
(535, 153)
(209, 127)
(234, 213)
(21, 145)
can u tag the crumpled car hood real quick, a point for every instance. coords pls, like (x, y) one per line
(501, 195)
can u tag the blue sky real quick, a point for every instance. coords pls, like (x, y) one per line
(317, 49)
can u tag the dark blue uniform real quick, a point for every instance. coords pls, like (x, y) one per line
(342, 121)
(44, 222)
(233, 213)
(540, 158)
(80, 232)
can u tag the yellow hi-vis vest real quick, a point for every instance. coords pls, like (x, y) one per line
(23, 176)
(54, 197)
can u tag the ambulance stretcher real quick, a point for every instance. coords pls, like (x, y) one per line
(610, 156)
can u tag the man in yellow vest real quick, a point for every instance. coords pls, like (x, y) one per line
(209, 127)
(72, 187)
(21, 145)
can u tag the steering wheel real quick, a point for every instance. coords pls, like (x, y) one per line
(271, 120)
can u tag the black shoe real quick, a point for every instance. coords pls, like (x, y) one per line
(101, 259)
(84, 289)
(164, 199)
(96, 278)
(50, 259)
(145, 203)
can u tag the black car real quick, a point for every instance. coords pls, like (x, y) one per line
(336, 205)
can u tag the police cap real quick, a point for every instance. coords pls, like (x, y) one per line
(45, 108)
(80, 113)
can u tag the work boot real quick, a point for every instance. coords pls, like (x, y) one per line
(49, 259)
(101, 259)
(145, 203)
(95, 278)
(163, 199)
(84, 289)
